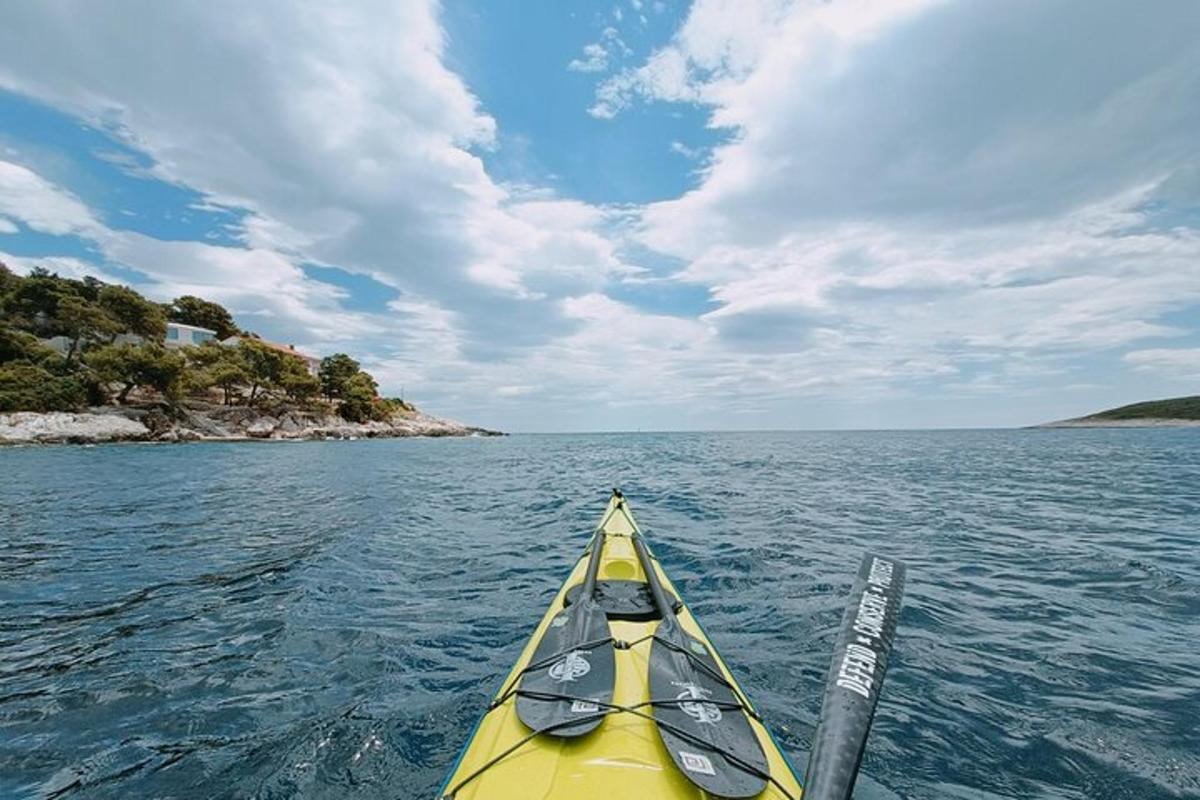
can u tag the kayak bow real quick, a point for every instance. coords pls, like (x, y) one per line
(620, 693)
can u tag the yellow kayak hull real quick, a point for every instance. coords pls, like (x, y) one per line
(624, 757)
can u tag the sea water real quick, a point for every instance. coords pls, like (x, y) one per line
(328, 619)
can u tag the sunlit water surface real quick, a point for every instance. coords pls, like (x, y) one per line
(326, 620)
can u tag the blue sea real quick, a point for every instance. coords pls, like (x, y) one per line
(328, 619)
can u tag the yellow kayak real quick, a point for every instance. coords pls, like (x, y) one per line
(619, 693)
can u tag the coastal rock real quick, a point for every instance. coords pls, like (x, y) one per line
(206, 427)
(179, 435)
(196, 421)
(58, 426)
(289, 427)
(158, 421)
(232, 417)
(261, 428)
(1085, 422)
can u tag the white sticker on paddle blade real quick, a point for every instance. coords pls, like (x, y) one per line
(572, 666)
(584, 707)
(694, 762)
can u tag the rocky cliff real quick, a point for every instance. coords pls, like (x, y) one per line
(205, 422)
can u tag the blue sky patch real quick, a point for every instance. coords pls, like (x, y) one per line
(108, 176)
(31, 243)
(546, 136)
(363, 293)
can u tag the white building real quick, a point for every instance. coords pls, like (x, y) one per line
(62, 344)
(180, 335)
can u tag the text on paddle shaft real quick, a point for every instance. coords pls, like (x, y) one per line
(857, 671)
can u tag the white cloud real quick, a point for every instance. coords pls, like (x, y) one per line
(595, 59)
(8, 226)
(514, 391)
(722, 41)
(25, 196)
(916, 199)
(341, 131)
(900, 201)
(692, 153)
(952, 117)
(62, 265)
(545, 248)
(1181, 363)
(598, 56)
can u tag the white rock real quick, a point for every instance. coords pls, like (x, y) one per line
(261, 428)
(61, 426)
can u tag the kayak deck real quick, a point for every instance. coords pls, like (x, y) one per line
(625, 755)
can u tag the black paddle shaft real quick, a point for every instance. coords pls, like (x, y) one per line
(589, 582)
(699, 716)
(571, 674)
(860, 660)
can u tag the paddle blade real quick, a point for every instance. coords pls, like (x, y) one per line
(860, 659)
(566, 694)
(708, 736)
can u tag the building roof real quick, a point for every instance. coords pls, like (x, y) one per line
(185, 326)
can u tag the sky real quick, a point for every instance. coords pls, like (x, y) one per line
(640, 214)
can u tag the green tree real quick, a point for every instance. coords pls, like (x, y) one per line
(32, 302)
(334, 373)
(296, 381)
(264, 365)
(204, 313)
(83, 323)
(229, 376)
(29, 387)
(88, 288)
(132, 365)
(133, 312)
(8, 279)
(214, 364)
(358, 399)
(17, 345)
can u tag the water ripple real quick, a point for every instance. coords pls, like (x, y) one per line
(326, 620)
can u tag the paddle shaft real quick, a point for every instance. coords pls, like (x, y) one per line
(860, 661)
(665, 608)
(593, 570)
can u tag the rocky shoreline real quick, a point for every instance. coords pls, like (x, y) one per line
(1122, 423)
(199, 422)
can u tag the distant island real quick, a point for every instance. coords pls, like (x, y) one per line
(88, 361)
(1173, 412)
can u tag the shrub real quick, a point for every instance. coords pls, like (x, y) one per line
(29, 387)
(16, 345)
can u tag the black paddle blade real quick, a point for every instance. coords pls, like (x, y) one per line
(574, 670)
(708, 736)
(860, 659)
